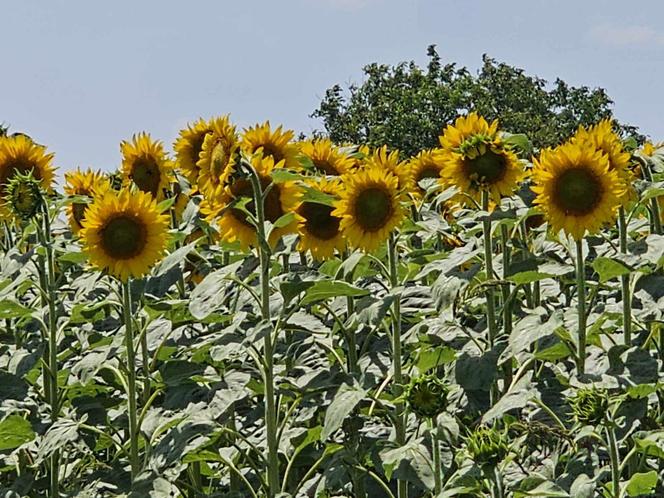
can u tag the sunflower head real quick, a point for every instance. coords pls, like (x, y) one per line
(649, 148)
(576, 189)
(427, 396)
(325, 157)
(389, 161)
(426, 164)
(188, 147)
(24, 196)
(487, 446)
(589, 405)
(274, 143)
(370, 207)
(124, 233)
(319, 230)
(83, 183)
(467, 129)
(145, 165)
(218, 156)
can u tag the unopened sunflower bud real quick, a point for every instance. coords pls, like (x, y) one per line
(427, 396)
(487, 446)
(589, 405)
(24, 195)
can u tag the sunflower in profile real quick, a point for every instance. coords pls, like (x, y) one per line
(426, 164)
(325, 157)
(576, 189)
(19, 154)
(476, 160)
(145, 165)
(124, 233)
(370, 207)
(320, 231)
(218, 156)
(232, 222)
(188, 147)
(88, 183)
(603, 138)
(649, 148)
(275, 144)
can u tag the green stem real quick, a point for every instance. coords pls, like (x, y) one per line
(353, 367)
(507, 306)
(626, 294)
(489, 294)
(498, 480)
(614, 456)
(437, 467)
(581, 297)
(400, 418)
(131, 380)
(264, 253)
(654, 203)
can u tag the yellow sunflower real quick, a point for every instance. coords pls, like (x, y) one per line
(88, 183)
(389, 161)
(231, 221)
(125, 234)
(145, 164)
(19, 154)
(602, 137)
(426, 164)
(369, 207)
(576, 189)
(476, 160)
(649, 148)
(188, 148)
(327, 159)
(319, 230)
(276, 144)
(218, 156)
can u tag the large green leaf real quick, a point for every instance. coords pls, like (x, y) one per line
(15, 431)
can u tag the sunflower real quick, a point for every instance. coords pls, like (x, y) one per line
(84, 183)
(389, 161)
(319, 230)
(603, 138)
(144, 164)
(649, 148)
(369, 207)
(426, 164)
(188, 148)
(276, 144)
(124, 234)
(218, 156)
(232, 222)
(19, 154)
(476, 160)
(576, 189)
(326, 158)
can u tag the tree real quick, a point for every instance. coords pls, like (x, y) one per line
(406, 107)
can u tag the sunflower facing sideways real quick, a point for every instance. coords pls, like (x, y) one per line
(145, 165)
(188, 147)
(19, 154)
(476, 159)
(217, 158)
(325, 157)
(83, 183)
(232, 222)
(369, 207)
(319, 229)
(276, 144)
(575, 188)
(124, 233)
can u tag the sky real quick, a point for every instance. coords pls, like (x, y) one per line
(80, 76)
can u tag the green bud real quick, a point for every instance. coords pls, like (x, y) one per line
(487, 446)
(427, 396)
(589, 405)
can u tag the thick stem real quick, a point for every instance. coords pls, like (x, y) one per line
(498, 481)
(131, 380)
(614, 457)
(437, 467)
(656, 219)
(507, 306)
(624, 280)
(399, 419)
(489, 294)
(581, 297)
(350, 332)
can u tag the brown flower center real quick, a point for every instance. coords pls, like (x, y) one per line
(123, 237)
(319, 221)
(325, 166)
(146, 175)
(373, 208)
(273, 210)
(577, 191)
(487, 169)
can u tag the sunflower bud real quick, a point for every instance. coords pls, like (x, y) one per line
(589, 405)
(487, 446)
(427, 396)
(24, 195)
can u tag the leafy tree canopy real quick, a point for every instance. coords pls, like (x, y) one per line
(406, 107)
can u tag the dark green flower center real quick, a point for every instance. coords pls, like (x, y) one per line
(319, 220)
(373, 208)
(146, 175)
(325, 166)
(428, 172)
(78, 212)
(123, 237)
(486, 169)
(273, 209)
(577, 191)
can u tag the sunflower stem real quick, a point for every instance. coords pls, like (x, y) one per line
(581, 299)
(614, 458)
(507, 307)
(656, 219)
(624, 280)
(498, 481)
(490, 298)
(437, 468)
(350, 332)
(399, 419)
(131, 379)
(264, 253)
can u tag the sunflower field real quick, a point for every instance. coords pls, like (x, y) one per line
(249, 315)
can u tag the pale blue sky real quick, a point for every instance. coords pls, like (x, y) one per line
(81, 75)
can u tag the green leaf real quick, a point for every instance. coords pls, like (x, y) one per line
(280, 175)
(527, 277)
(608, 268)
(318, 197)
(326, 289)
(642, 483)
(432, 358)
(166, 204)
(12, 309)
(344, 402)
(204, 299)
(15, 431)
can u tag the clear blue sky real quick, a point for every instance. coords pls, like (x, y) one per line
(81, 75)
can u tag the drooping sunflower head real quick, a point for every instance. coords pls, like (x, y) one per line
(145, 165)
(325, 157)
(427, 396)
(232, 221)
(426, 164)
(575, 188)
(19, 154)
(218, 156)
(188, 147)
(276, 144)
(24, 196)
(380, 158)
(319, 230)
(124, 234)
(88, 183)
(370, 207)
(467, 127)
